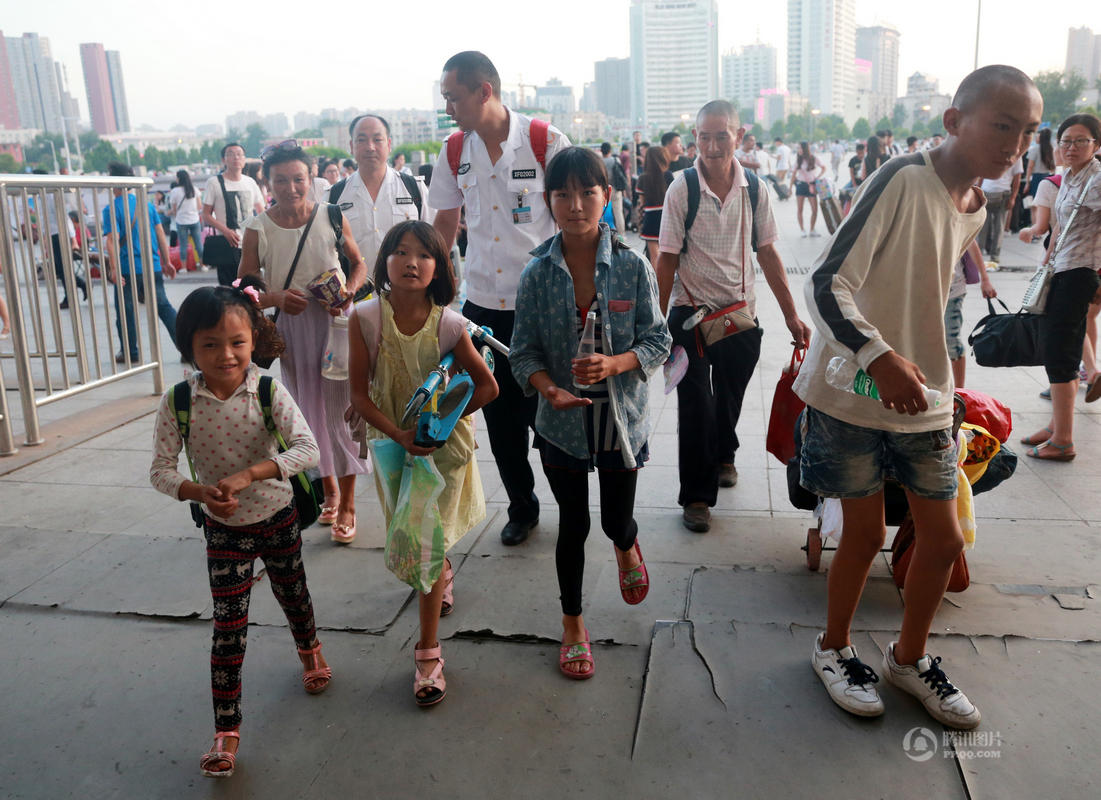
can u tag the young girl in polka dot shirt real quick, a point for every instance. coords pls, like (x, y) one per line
(247, 501)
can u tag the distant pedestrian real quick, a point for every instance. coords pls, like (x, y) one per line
(783, 159)
(241, 482)
(229, 201)
(186, 210)
(1000, 193)
(618, 182)
(808, 169)
(652, 186)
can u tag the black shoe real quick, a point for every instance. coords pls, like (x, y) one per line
(697, 517)
(64, 304)
(516, 532)
(728, 475)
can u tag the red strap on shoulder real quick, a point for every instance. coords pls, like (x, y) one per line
(538, 134)
(455, 151)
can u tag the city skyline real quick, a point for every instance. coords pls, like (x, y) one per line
(170, 78)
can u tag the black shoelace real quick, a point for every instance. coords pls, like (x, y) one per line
(858, 673)
(937, 680)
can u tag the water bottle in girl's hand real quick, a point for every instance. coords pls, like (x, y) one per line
(848, 377)
(587, 346)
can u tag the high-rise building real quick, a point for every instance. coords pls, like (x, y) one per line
(878, 46)
(118, 90)
(34, 82)
(674, 60)
(555, 98)
(588, 97)
(9, 109)
(747, 72)
(1081, 53)
(240, 121)
(97, 84)
(276, 124)
(821, 49)
(613, 87)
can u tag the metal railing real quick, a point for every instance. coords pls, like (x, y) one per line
(60, 353)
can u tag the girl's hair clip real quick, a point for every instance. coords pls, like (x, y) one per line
(249, 290)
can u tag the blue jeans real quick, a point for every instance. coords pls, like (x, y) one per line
(195, 231)
(164, 310)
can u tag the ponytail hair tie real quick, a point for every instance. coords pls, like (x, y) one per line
(249, 290)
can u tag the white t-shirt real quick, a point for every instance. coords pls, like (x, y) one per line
(1004, 183)
(319, 192)
(186, 210)
(783, 157)
(1046, 193)
(506, 216)
(248, 196)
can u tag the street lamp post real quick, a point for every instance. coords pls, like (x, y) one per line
(814, 112)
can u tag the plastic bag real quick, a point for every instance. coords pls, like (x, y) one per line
(411, 487)
(334, 363)
(987, 412)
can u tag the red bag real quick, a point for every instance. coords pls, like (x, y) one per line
(786, 408)
(986, 412)
(902, 549)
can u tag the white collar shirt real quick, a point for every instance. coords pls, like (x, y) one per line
(371, 218)
(718, 264)
(506, 216)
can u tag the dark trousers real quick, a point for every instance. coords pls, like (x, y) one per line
(59, 269)
(227, 273)
(508, 418)
(990, 237)
(709, 403)
(230, 554)
(1063, 323)
(617, 505)
(165, 310)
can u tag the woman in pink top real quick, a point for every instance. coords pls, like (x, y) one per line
(808, 169)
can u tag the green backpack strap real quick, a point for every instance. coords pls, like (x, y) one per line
(179, 402)
(265, 392)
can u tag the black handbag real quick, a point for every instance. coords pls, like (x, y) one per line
(217, 251)
(1006, 340)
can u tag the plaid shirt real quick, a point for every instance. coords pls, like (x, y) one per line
(718, 262)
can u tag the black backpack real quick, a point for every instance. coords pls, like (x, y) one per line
(692, 178)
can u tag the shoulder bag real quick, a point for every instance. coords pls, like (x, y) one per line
(1035, 299)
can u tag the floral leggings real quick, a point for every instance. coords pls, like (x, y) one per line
(230, 554)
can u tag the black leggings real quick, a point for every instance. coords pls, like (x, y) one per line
(617, 503)
(230, 554)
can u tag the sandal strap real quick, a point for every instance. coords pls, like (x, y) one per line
(313, 651)
(578, 651)
(427, 654)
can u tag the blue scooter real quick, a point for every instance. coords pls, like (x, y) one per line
(446, 400)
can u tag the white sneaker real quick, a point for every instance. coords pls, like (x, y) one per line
(803, 234)
(850, 682)
(927, 682)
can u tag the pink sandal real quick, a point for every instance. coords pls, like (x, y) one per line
(217, 753)
(431, 688)
(344, 534)
(328, 513)
(316, 673)
(448, 604)
(636, 577)
(578, 652)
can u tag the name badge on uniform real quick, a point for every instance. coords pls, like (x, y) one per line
(521, 174)
(463, 169)
(345, 206)
(404, 201)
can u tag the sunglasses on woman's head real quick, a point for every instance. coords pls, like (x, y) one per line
(286, 144)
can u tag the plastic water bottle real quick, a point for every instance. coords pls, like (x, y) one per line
(334, 364)
(848, 377)
(587, 346)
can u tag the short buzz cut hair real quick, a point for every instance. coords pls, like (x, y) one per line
(977, 86)
(472, 69)
(668, 137)
(719, 108)
(358, 119)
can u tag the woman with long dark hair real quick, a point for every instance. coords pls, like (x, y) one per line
(653, 182)
(1041, 161)
(1074, 286)
(184, 206)
(808, 169)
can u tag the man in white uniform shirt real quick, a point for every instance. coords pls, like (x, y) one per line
(245, 198)
(499, 180)
(376, 198)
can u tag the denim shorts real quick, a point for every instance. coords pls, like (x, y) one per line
(953, 321)
(848, 461)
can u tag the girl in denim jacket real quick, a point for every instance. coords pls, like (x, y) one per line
(600, 420)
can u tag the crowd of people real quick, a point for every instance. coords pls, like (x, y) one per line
(543, 270)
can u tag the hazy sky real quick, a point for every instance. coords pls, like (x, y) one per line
(198, 62)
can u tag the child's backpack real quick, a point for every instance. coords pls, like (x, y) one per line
(308, 491)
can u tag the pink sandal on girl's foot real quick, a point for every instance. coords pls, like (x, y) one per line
(448, 604)
(634, 578)
(328, 512)
(577, 653)
(218, 754)
(430, 688)
(344, 534)
(316, 678)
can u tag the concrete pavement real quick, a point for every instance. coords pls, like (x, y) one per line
(705, 690)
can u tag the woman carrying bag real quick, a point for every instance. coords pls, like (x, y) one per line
(1075, 255)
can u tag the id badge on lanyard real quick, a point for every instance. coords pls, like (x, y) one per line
(522, 213)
